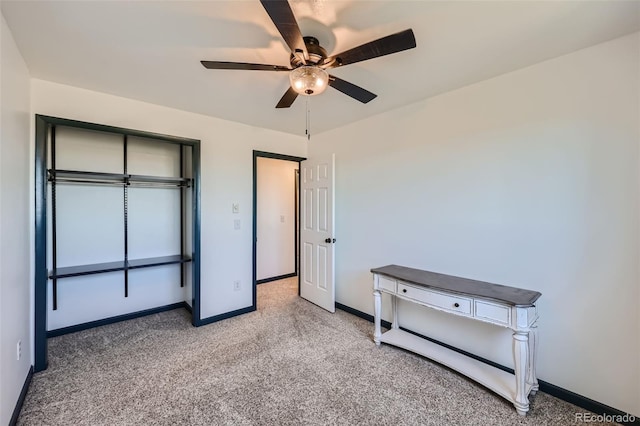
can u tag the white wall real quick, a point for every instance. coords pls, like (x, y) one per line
(15, 225)
(529, 179)
(275, 218)
(227, 175)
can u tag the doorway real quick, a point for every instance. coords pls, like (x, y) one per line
(275, 217)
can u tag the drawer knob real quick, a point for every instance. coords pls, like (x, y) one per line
(404, 290)
(456, 305)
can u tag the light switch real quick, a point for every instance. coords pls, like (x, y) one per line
(235, 207)
(236, 224)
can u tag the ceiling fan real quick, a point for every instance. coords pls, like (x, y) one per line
(310, 62)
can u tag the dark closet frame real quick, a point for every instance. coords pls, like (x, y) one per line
(45, 132)
(255, 281)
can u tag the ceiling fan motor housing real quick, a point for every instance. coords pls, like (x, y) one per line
(317, 53)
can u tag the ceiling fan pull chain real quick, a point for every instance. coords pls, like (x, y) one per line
(308, 112)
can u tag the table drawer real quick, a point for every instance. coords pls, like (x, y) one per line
(387, 284)
(460, 305)
(493, 312)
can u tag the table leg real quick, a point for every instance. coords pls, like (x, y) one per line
(394, 307)
(532, 378)
(520, 361)
(377, 302)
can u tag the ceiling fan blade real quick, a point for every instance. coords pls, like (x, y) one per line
(218, 65)
(383, 46)
(287, 99)
(350, 89)
(282, 16)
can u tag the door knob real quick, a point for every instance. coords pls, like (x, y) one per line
(330, 240)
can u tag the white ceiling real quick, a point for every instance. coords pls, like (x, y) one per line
(151, 50)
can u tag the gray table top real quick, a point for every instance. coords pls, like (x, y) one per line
(510, 295)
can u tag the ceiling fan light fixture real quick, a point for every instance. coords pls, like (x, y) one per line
(309, 80)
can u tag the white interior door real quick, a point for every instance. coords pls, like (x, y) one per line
(317, 274)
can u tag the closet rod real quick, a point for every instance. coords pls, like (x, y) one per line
(133, 184)
(158, 185)
(86, 181)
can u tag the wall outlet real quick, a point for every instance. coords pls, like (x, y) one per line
(282, 218)
(236, 224)
(236, 285)
(19, 350)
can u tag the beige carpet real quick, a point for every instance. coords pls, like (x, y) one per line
(288, 363)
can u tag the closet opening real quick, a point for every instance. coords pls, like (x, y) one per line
(117, 232)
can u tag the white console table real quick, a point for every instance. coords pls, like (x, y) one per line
(504, 306)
